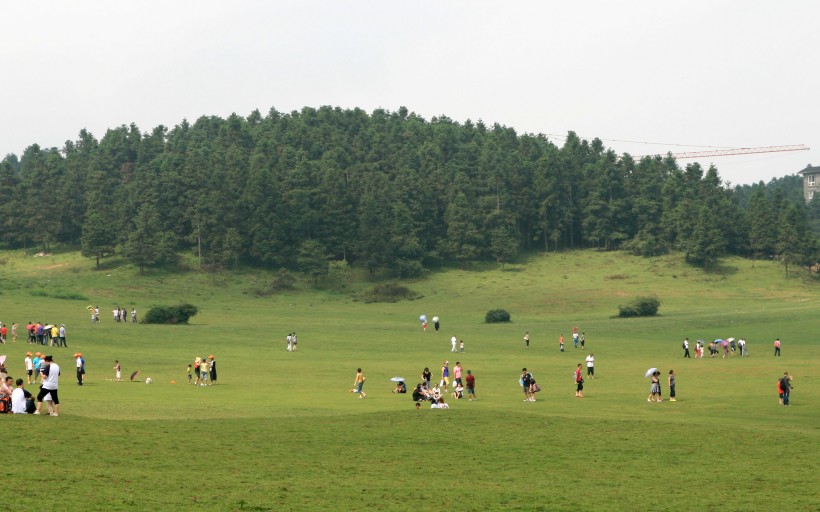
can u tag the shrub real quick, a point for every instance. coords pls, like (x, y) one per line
(390, 293)
(642, 306)
(495, 316)
(170, 314)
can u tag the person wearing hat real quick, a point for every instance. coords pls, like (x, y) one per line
(445, 376)
(50, 383)
(29, 366)
(80, 363)
(212, 369)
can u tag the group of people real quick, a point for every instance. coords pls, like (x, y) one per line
(655, 393)
(119, 314)
(292, 341)
(729, 347)
(579, 340)
(205, 370)
(49, 335)
(19, 400)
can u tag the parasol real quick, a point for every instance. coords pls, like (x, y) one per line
(397, 379)
(650, 371)
(134, 375)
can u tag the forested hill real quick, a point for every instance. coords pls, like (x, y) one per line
(388, 190)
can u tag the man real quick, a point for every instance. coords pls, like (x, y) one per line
(527, 339)
(470, 385)
(526, 385)
(742, 344)
(62, 336)
(29, 366)
(50, 376)
(590, 366)
(686, 348)
(453, 342)
(18, 398)
(583, 339)
(786, 386)
(777, 347)
(6, 386)
(80, 363)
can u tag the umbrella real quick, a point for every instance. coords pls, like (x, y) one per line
(650, 371)
(718, 340)
(730, 339)
(397, 379)
(2, 359)
(49, 326)
(134, 375)
(423, 318)
(435, 319)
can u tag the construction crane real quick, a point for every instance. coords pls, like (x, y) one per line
(736, 151)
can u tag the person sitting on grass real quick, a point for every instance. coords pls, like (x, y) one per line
(458, 391)
(401, 387)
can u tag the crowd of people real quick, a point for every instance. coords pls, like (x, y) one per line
(15, 398)
(204, 368)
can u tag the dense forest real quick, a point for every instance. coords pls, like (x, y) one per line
(390, 191)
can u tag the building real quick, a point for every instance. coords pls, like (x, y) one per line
(811, 181)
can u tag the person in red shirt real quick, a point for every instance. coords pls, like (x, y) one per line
(579, 382)
(470, 378)
(3, 332)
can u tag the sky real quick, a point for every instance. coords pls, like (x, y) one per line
(646, 77)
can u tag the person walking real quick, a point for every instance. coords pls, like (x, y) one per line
(686, 348)
(655, 388)
(583, 340)
(777, 347)
(445, 376)
(786, 386)
(527, 339)
(470, 379)
(672, 386)
(590, 365)
(50, 384)
(579, 382)
(212, 369)
(358, 384)
(561, 343)
(453, 342)
(79, 363)
(526, 385)
(118, 370)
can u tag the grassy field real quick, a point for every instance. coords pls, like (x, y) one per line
(281, 431)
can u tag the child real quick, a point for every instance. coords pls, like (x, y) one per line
(561, 343)
(118, 369)
(189, 374)
(204, 370)
(461, 346)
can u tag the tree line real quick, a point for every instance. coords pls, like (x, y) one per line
(390, 191)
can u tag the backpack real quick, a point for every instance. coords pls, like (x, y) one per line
(785, 384)
(683, 345)
(5, 404)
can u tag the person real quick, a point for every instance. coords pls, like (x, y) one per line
(290, 342)
(470, 380)
(655, 388)
(50, 385)
(741, 343)
(6, 386)
(55, 336)
(61, 335)
(445, 376)
(190, 377)
(80, 363)
(453, 342)
(561, 343)
(424, 325)
(442, 404)
(461, 346)
(583, 339)
(457, 371)
(575, 337)
(426, 377)
(526, 385)
(18, 399)
(418, 394)
(3, 333)
(434, 403)
(295, 341)
(527, 339)
(672, 386)
(29, 366)
(458, 392)
(686, 348)
(579, 382)
(14, 332)
(786, 386)
(590, 365)
(777, 347)
(436, 324)
(780, 391)
(197, 362)
(134, 315)
(358, 384)
(118, 370)
(401, 387)
(212, 369)
(204, 371)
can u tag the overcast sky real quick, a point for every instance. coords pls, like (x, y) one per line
(701, 73)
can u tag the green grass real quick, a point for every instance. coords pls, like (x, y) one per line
(282, 432)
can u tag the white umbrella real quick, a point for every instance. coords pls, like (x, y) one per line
(2, 359)
(730, 339)
(650, 371)
(49, 326)
(397, 379)
(423, 318)
(435, 319)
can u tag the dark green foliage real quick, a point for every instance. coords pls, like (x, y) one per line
(495, 316)
(642, 306)
(386, 191)
(390, 293)
(179, 314)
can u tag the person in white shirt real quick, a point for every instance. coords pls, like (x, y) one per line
(18, 399)
(453, 342)
(51, 376)
(590, 366)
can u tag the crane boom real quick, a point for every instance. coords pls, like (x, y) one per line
(739, 151)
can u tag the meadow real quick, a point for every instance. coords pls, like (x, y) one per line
(281, 431)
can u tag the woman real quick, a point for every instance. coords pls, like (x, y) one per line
(655, 388)
(579, 382)
(672, 386)
(426, 377)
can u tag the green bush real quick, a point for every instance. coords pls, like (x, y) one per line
(390, 293)
(495, 316)
(170, 314)
(642, 306)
